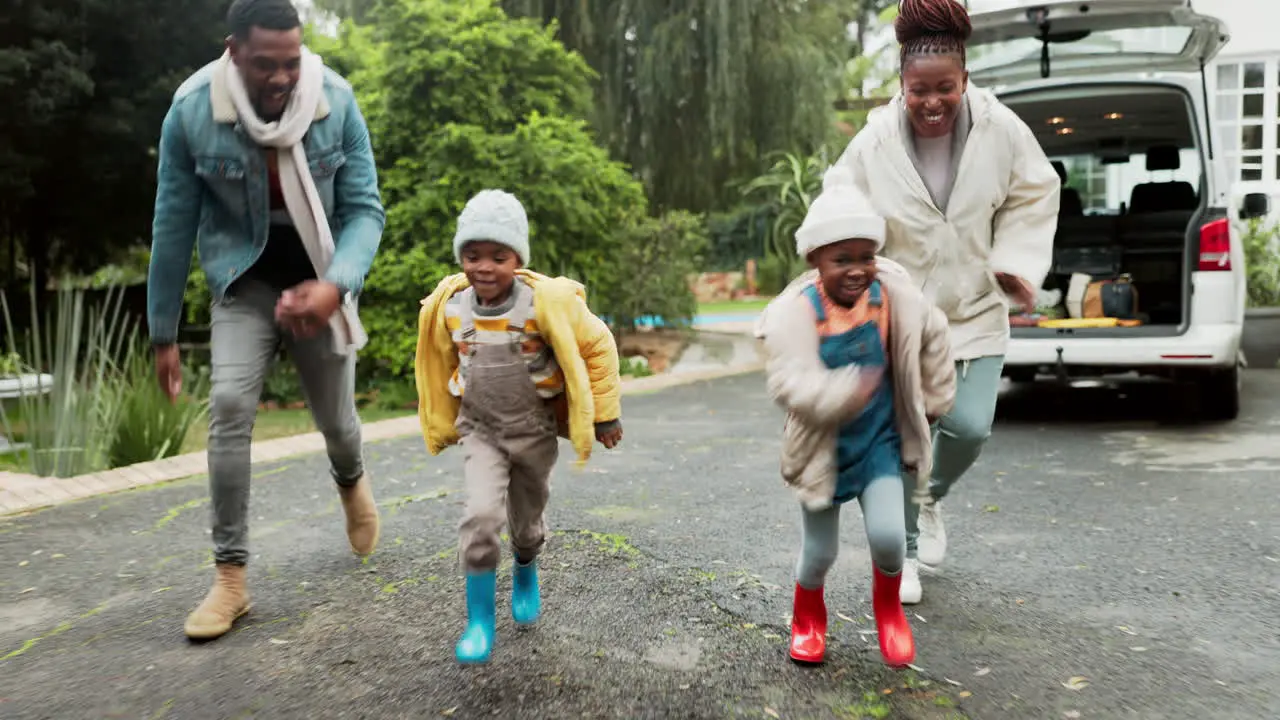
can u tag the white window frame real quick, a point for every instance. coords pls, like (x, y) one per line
(1230, 131)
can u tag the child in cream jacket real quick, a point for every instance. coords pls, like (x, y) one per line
(862, 363)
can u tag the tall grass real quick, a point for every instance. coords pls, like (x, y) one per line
(97, 408)
(150, 427)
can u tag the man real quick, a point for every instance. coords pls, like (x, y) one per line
(265, 157)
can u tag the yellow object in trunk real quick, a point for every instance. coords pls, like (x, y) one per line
(1080, 323)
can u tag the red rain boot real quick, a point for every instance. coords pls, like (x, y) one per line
(896, 643)
(808, 626)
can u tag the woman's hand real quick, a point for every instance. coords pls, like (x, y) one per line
(1021, 294)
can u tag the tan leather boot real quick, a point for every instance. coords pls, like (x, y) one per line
(362, 515)
(227, 600)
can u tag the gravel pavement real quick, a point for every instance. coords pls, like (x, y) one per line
(1106, 563)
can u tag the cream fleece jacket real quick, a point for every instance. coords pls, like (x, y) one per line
(819, 400)
(1001, 215)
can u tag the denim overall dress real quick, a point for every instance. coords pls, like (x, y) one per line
(867, 447)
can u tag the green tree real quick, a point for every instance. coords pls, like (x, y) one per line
(360, 11)
(459, 98)
(650, 272)
(694, 93)
(86, 85)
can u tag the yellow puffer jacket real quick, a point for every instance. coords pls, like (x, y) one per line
(583, 345)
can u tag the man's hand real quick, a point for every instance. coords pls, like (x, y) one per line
(1020, 292)
(609, 434)
(169, 371)
(305, 309)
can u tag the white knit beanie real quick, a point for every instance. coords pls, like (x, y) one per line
(494, 216)
(841, 212)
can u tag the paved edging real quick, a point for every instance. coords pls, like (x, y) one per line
(23, 493)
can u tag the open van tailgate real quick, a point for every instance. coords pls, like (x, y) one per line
(1214, 345)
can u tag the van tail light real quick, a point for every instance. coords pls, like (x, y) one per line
(1215, 246)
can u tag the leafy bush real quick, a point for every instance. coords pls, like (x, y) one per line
(10, 364)
(579, 202)
(392, 394)
(197, 299)
(389, 308)
(459, 98)
(282, 386)
(737, 236)
(634, 367)
(1262, 263)
(649, 273)
(773, 273)
(436, 63)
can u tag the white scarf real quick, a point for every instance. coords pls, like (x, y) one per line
(299, 188)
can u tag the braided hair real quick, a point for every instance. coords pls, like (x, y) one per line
(931, 27)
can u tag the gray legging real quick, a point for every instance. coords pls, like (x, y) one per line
(882, 512)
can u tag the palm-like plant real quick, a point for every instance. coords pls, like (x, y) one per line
(790, 186)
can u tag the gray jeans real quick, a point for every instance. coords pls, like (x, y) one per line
(244, 342)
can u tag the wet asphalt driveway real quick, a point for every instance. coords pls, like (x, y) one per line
(1106, 563)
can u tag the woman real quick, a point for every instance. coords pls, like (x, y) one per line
(972, 207)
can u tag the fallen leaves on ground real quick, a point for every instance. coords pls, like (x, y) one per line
(1076, 683)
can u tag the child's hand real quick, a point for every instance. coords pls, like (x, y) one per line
(609, 434)
(869, 380)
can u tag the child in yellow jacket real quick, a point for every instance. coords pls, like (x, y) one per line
(507, 360)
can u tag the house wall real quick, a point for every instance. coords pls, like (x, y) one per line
(1244, 87)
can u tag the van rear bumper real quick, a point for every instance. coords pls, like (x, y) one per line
(1206, 346)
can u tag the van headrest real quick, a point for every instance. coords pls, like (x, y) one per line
(1060, 168)
(1163, 157)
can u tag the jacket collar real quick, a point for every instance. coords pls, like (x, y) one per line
(224, 110)
(978, 103)
(894, 131)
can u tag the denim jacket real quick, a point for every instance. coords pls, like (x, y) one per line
(212, 186)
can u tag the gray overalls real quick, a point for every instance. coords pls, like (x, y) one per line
(508, 435)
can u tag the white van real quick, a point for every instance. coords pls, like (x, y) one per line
(1115, 92)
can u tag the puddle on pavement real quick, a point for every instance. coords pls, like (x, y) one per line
(1205, 451)
(712, 351)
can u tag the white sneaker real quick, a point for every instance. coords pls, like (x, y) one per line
(932, 543)
(910, 592)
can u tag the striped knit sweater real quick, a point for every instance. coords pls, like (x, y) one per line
(512, 321)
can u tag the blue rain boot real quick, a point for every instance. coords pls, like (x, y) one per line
(526, 603)
(477, 640)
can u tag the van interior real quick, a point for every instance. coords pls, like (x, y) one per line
(1133, 179)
